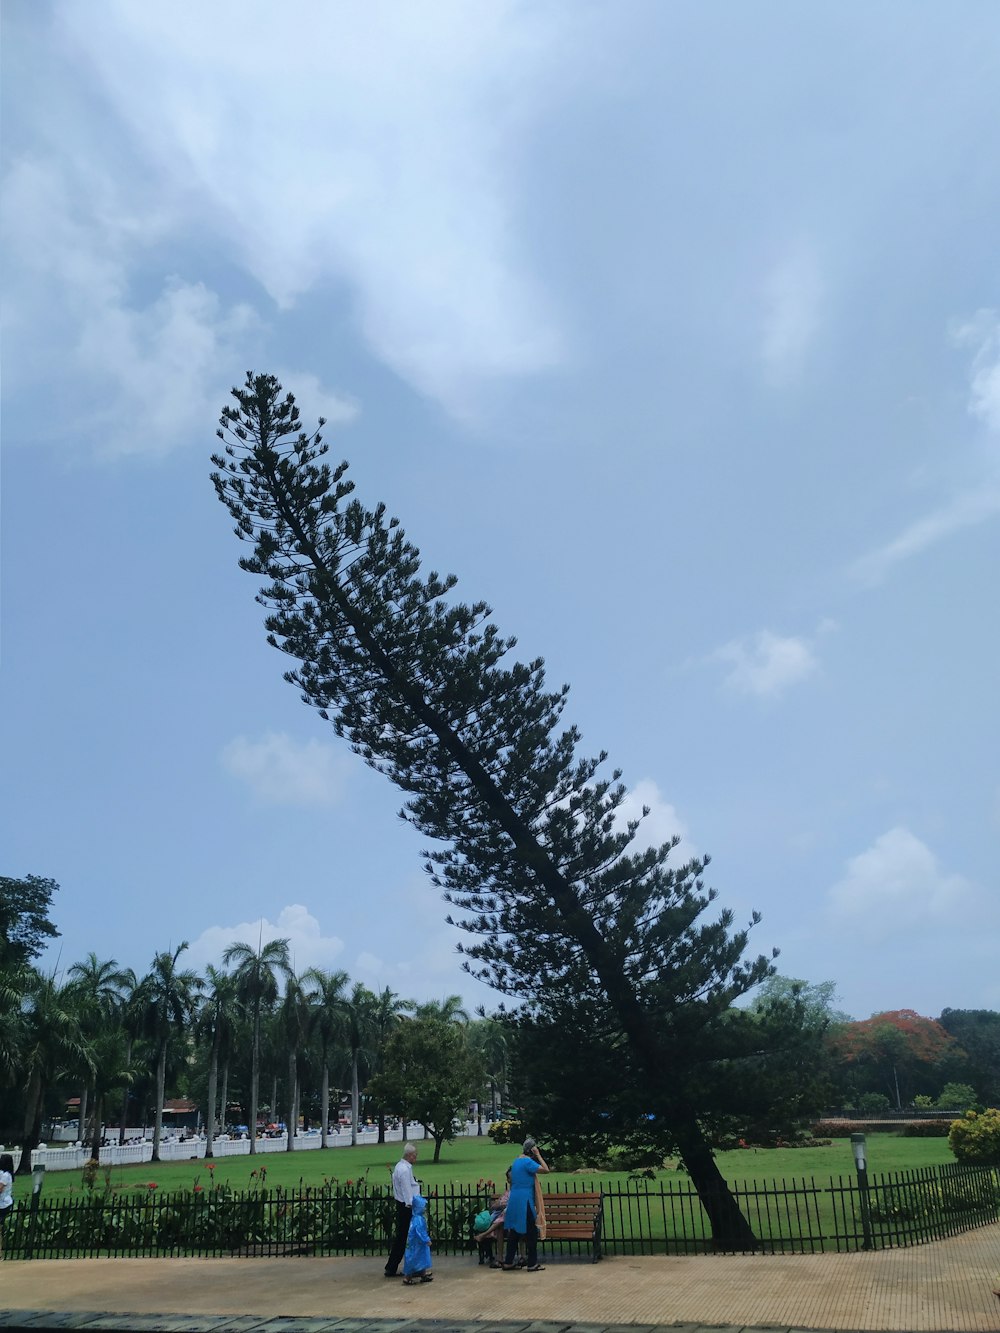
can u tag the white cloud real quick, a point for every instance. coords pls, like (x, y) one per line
(766, 664)
(982, 333)
(965, 511)
(282, 771)
(307, 945)
(971, 505)
(384, 162)
(793, 295)
(897, 888)
(148, 374)
(314, 400)
(660, 825)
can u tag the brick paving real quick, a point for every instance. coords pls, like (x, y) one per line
(943, 1287)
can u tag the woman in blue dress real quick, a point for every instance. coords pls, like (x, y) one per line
(519, 1218)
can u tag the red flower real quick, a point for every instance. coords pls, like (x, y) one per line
(152, 1185)
(210, 1165)
(198, 1189)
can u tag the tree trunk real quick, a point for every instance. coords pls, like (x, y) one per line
(730, 1229)
(224, 1098)
(95, 1151)
(324, 1104)
(354, 1099)
(254, 1077)
(81, 1119)
(213, 1080)
(290, 1128)
(125, 1093)
(381, 1126)
(161, 1081)
(32, 1123)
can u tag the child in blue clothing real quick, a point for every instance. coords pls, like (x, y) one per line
(417, 1259)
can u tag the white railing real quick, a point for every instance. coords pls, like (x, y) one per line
(174, 1150)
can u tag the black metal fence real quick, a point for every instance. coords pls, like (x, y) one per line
(795, 1216)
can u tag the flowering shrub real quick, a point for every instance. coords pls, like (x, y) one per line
(506, 1131)
(975, 1139)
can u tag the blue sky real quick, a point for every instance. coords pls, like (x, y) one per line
(672, 329)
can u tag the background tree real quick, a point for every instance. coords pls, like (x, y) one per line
(168, 999)
(101, 987)
(386, 1012)
(25, 928)
(50, 1043)
(327, 993)
(429, 1074)
(977, 1033)
(534, 855)
(215, 1026)
(295, 1024)
(358, 1008)
(899, 1048)
(256, 985)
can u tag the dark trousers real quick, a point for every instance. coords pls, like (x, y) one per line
(403, 1214)
(531, 1243)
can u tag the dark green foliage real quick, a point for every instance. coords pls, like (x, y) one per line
(428, 1074)
(925, 1129)
(529, 846)
(977, 1032)
(25, 928)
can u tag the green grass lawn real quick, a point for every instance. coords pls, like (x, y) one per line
(469, 1160)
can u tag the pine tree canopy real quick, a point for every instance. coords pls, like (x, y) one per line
(529, 845)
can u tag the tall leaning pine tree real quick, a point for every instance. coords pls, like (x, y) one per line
(530, 850)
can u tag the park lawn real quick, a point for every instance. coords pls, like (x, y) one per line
(467, 1161)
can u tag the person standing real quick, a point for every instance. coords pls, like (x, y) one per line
(520, 1217)
(6, 1192)
(404, 1187)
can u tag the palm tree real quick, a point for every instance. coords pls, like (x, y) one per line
(50, 1041)
(254, 976)
(169, 998)
(387, 1012)
(296, 1018)
(102, 987)
(328, 996)
(215, 1025)
(357, 1034)
(448, 1010)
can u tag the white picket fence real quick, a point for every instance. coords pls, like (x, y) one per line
(176, 1150)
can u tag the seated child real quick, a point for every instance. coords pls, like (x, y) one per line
(485, 1239)
(417, 1257)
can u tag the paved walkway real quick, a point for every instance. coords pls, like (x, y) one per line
(944, 1286)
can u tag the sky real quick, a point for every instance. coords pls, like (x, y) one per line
(672, 329)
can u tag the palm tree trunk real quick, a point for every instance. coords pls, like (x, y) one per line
(290, 1127)
(324, 1103)
(95, 1151)
(213, 1079)
(224, 1099)
(254, 1077)
(81, 1123)
(161, 1082)
(128, 1061)
(354, 1099)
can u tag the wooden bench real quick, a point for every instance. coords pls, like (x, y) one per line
(575, 1217)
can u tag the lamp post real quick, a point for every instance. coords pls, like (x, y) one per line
(861, 1164)
(37, 1181)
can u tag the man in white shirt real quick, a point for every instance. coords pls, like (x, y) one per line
(404, 1186)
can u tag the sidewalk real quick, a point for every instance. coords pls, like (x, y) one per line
(944, 1286)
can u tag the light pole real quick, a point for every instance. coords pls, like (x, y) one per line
(861, 1163)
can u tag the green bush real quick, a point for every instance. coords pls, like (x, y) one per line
(975, 1139)
(870, 1102)
(925, 1129)
(956, 1097)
